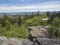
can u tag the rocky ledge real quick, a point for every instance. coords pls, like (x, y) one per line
(20, 41)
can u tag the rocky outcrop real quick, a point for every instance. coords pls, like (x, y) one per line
(47, 41)
(39, 36)
(39, 31)
(20, 41)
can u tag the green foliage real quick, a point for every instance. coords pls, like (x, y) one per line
(17, 25)
(59, 32)
(7, 24)
(15, 31)
(33, 21)
(56, 22)
(50, 30)
(19, 21)
(37, 20)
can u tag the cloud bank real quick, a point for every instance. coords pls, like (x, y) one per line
(46, 6)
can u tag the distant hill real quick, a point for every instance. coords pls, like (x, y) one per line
(18, 13)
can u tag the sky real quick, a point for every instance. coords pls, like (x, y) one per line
(29, 5)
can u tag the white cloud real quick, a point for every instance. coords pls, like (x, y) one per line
(47, 6)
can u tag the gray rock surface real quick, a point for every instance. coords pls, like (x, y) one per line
(39, 31)
(47, 41)
(20, 41)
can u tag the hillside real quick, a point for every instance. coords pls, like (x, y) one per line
(17, 25)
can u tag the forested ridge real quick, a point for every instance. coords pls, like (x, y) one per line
(17, 25)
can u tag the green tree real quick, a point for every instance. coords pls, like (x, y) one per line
(7, 24)
(58, 14)
(26, 16)
(19, 21)
(6, 21)
(50, 31)
(56, 22)
(38, 13)
(48, 14)
(32, 15)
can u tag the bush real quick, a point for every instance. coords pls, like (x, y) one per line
(14, 31)
(50, 30)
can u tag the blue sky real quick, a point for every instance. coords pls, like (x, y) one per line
(29, 5)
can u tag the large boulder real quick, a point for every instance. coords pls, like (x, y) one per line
(3, 40)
